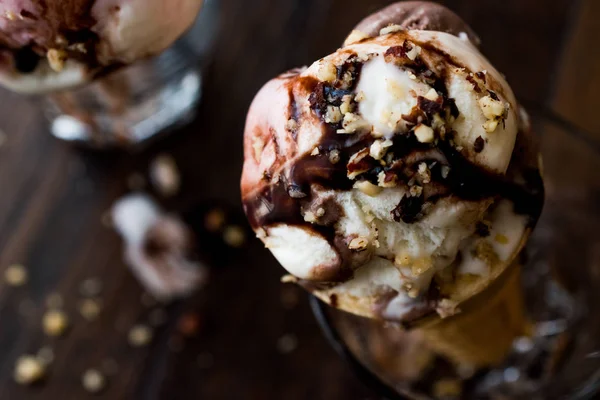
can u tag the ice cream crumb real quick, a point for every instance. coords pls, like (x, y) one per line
(234, 236)
(55, 323)
(16, 275)
(28, 370)
(214, 220)
(165, 175)
(287, 343)
(140, 336)
(93, 381)
(90, 309)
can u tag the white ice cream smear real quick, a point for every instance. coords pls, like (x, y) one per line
(133, 215)
(389, 93)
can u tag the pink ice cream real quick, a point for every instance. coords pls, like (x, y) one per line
(52, 44)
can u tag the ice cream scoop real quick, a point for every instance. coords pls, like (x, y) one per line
(54, 44)
(384, 177)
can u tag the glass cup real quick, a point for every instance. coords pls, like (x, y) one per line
(141, 101)
(560, 355)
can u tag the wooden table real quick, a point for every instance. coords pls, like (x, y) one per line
(256, 339)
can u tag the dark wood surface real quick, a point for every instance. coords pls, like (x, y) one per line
(53, 197)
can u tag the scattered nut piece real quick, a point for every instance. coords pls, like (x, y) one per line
(55, 323)
(359, 243)
(368, 188)
(502, 239)
(56, 59)
(346, 106)
(214, 220)
(413, 53)
(15, 275)
(355, 37)
(140, 336)
(334, 156)
(445, 171)
(424, 172)
(491, 108)
(289, 279)
(287, 343)
(447, 308)
(90, 309)
(234, 236)
(333, 115)
(93, 381)
(310, 217)
(490, 126)
(390, 29)
(416, 191)
(165, 175)
(315, 152)
(28, 370)
(424, 134)
(387, 181)
(352, 123)
(327, 71)
(379, 148)
(432, 95)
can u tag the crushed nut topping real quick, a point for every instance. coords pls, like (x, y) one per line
(333, 115)
(424, 133)
(445, 171)
(327, 72)
(416, 191)
(356, 166)
(387, 179)
(491, 108)
(334, 156)
(379, 148)
(346, 106)
(56, 59)
(359, 243)
(315, 152)
(447, 308)
(352, 123)
(368, 188)
(355, 37)
(390, 29)
(490, 126)
(424, 172)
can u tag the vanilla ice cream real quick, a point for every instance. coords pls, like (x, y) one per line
(49, 45)
(384, 172)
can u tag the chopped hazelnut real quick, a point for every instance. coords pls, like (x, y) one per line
(390, 29)
(386, 181)
(310, 217)
(15, 275)
(28, 370)
(432, 95)
(490, 126)
(55, 323)
(354, 162)
(327, 72)
(352, 123)
(424, 172)
(334, 156)
(368, 188)
(359, 243)
(445, 171)
(413, 53)
(93, 381)
(315, 152)
(379, 148)
(346, 106)
(355, 37)
(56, 59)
(416, 191)
(502, 239)
(491, 108)
(320, 212)
(412, 76)
(333, 115)
(424, 134)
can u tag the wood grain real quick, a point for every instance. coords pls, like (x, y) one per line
(52, 198)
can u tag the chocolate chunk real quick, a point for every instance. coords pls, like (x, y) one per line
(409, 209)
(479, 145)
